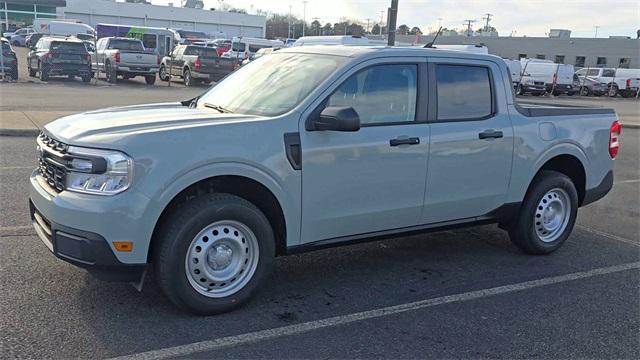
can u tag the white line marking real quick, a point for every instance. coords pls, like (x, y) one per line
(607, 235)
(17, 167)
(16, 228)
(626, 181)
(252, 337)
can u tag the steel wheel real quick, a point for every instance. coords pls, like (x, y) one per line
(552, 215)
(222, 258)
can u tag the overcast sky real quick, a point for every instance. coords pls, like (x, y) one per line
(525, 17)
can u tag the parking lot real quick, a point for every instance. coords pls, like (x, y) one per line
(453, 294)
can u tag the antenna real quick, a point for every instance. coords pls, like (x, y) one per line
(468, 23)
(430, 44)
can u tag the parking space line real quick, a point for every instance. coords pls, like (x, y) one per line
(607, 235)
(627, 181)
(16, 167)
(253, 337)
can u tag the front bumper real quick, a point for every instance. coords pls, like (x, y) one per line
(84, 249)
(534, 89)
(97, 221)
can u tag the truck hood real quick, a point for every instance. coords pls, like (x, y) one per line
(112, 124)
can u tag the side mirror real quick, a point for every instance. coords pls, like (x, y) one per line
(335, 118)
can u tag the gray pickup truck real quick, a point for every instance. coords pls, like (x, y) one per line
(195, 64)
(125, 57)
(307, 148)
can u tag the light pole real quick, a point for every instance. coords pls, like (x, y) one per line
(304, 15)
(597, 27)
(289, 29)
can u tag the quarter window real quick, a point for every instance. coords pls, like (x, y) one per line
(464, 92)
(380, 94)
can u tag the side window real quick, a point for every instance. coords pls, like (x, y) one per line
(464, 92)
(593, 72)
(581, 72)
(380, 94)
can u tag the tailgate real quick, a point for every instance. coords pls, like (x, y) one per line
(215, 65)
(142, 59)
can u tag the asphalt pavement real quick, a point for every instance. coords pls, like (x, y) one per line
(454, 294)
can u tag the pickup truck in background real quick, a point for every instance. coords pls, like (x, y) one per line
(125, 57)
(195, 64)
(310, 147)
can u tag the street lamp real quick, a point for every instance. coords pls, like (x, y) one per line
(304, 15)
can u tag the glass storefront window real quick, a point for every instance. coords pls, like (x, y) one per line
(45, 9)
(19, 7)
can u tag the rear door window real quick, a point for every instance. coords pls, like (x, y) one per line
(463, 92)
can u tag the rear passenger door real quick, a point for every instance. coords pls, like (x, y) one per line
(471, 144)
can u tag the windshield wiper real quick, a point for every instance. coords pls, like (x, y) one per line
(218, 108)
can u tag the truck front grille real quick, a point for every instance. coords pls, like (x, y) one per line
(50, 166)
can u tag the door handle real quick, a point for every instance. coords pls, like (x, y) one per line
(490, 134)
(404, 141)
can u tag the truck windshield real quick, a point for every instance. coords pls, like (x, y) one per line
(127, 45)
(272, 85)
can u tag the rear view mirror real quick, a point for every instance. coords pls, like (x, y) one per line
(335, 118)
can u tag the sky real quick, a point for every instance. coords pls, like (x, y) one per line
(520, 17)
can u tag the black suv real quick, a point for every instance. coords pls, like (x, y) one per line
(59, 56)
(9, 63)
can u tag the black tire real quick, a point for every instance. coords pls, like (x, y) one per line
(32, 73)
(188, 80)
(162, 73)
(44, 73)
(174, 241)
(112, 75)
(523, 231)
(150, 79)
(519, 90)
(71, 77)
(613, 91)
(584, 91)
(86, 78)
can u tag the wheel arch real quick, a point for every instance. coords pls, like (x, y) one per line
(569, 165)
(261, 192)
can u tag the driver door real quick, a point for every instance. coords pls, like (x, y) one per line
(362, 182)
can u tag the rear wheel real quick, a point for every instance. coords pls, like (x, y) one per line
(150, 79)
(112, 75)
(613, 90)
(213, 253)
(86, 78)
(188, 80)
(547, 215)
(44, 73)
(584, 91)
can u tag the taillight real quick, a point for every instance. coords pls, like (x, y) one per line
(159, 59)
(198, 64)
(117, 57)
(614, 139)
(14, 62)
(628, 83)
(88, 57)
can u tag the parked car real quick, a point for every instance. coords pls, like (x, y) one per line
(125, 57)
(260, 53)
(57, 56)
(9, 63)
(32, 39)
(558, 78)
(195, 64)
(189, 37)
(309, 148)
(244, 47)
(221, 45)
(623, 82)
(592, 87)
(160, 40)
(19, 37)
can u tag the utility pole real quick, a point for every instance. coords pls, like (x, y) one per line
(304, 15)
(319, 27)
(468, 24)
(381, 20)
(597, 27)
(488, 18)
(391, 27)
(289, 29)
(368, 20)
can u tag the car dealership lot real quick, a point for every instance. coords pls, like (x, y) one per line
(584, 307)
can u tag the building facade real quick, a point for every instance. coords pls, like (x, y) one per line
(215, 23)
(15, 14)
(580, 52)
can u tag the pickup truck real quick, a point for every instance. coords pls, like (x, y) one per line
(310, 147)
(195, 64)
(125, 57)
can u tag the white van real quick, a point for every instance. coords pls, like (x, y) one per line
(515, 68)
(557, 77)
(331, 40)
(63, 28)
(244, 47)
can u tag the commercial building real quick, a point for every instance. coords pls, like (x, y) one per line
(580, 52)
(15, 14)
(216, 23)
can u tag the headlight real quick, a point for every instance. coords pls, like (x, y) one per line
(100, 172)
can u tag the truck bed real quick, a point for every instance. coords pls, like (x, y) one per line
(534, 109)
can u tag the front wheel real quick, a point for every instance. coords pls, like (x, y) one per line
(547, 215)
(188, 80)
(162, 73)
(584, 91)
(213, 253)
(44, 73)
(613, 91)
